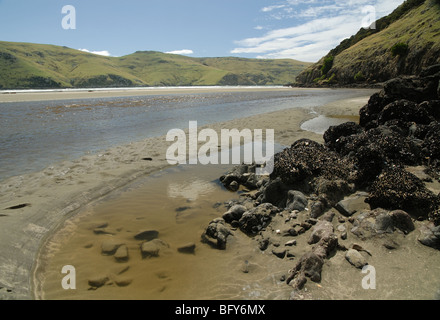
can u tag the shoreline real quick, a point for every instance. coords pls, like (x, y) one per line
(10, 96)
(45, 199)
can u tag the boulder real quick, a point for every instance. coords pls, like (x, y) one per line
(216, 234)
(396, 188)
(256, 219)
(371, 223)
(234, 213)
(430, 235)
(296, 200)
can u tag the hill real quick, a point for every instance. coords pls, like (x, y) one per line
(403, 43)
(26, 65)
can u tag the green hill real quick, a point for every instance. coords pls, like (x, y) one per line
(403, 43)
(26, 65)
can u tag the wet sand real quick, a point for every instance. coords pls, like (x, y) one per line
(42, 202)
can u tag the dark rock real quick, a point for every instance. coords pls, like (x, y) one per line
(216, 234)
(279, 252)
(430, 235)
(402, 221)
(257, 218)
(147, 235)
(396, 188)
(188, 248)
(234, 213)
(296, 200)
(335, 135)
(407, 111)
(306, 160)
(234, 186)
(317, 209)
(343, 207)
(275, 192)
(98, 281)
(263, 244)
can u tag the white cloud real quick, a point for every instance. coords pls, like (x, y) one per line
(319, 26)
(101, 53)
(182, 52)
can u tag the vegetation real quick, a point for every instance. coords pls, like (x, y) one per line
(414, 28)
(25, 65)
(328, 64)
(399, 49)
(359, 77)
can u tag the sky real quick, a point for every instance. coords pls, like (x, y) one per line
(304, 30)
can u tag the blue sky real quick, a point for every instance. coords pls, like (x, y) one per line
(299, 29)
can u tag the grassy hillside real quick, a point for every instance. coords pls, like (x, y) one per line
(404, 43)
(25, 65)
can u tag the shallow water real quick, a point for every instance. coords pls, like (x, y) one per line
(34, 135)
(178, 203)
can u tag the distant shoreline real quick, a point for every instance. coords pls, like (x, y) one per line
(90, 93)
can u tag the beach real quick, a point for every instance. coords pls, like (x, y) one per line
(34, 205)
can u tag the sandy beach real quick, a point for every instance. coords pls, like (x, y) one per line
(33, 206)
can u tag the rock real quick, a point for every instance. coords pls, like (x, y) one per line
(257, 218)
(103, 231)
(110, 247)
(406, 111)
(152, 248)
(279, 252)
(188, 248)
(216, 234)
(390, 244)
(430, 235)
(334, 136)
(123, 282)
(234, 186)
(322, 229)
(307, 159)
(121, 254)
(309, 265)
(147, 235)
(317, 209)
(275, 192)
(98, 281)
(396, 188)
(263, 243)
(356, 258)
(343, 207)
(402, 221)
(332, 190)
(371, 223)
(290, 243)
(296, 200)
(234, 213)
